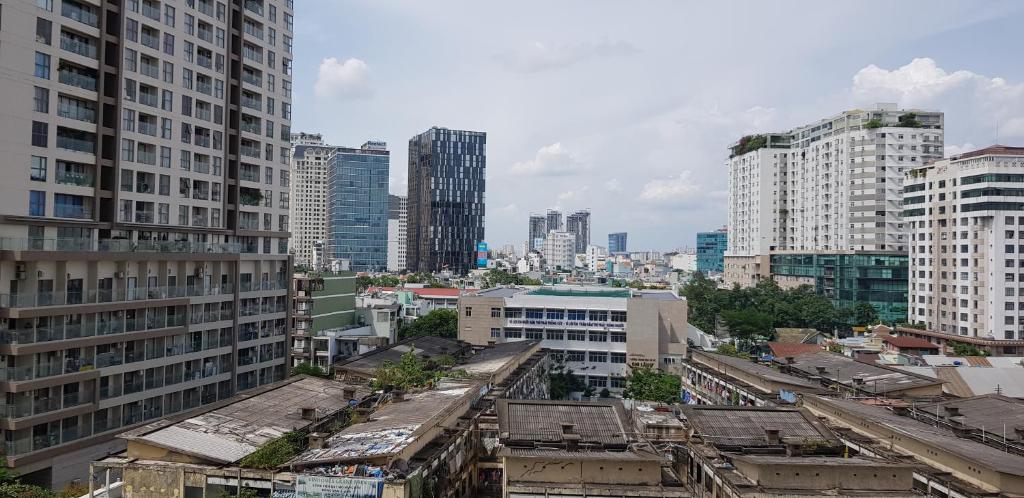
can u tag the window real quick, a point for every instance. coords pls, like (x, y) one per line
(44, 31)
(577, 315)
(575, 355)
(597, 357)
(469, 311)
(617, 357)
(534, 314)
(513, 312)
(598, 316)
(513, 333)
(555, 314)
(495, 333)
(598, 336)
(618, 316)
(555, 335)
(42, 66)
(38, 169)
(41, 100)
(40, 134)
(618, 337)
(36, 203)
(574, 335)
(535, 334)
(495, 312)
(46, 5)
(168, 44)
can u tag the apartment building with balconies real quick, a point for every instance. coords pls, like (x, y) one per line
(966, 229)
(828, 187)
(321, 302)
(122, 301)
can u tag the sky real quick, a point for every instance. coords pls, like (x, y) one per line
(627, 108)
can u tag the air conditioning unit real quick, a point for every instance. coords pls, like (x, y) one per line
(119, 274)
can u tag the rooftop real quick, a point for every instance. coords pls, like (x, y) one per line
(843, 369)
(747, 426)
(903, 342)
(966, 381)
(994, 150)
(968, 449)
(426, 292)
(429, 346)
(990, 411)
(763, 371)
(580, 292)
(542, 421)
(784, 349)
(229, 433)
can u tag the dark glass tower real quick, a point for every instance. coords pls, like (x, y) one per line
(357, 204)
(446, 199)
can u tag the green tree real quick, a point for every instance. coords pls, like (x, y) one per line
(496, 277)
(963, 349)
(730, 350)
(746, 325)
(19, 490)
(648, 384)
(864, 313)
(305, 368)
(438, 323)
(702, 302)
(637, 284)
(562, 382)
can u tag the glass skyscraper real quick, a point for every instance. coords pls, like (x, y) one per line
(357, 205)
(879, 279)
(617, 243)
(446, 199)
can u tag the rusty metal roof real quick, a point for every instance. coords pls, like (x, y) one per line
(541, 421)
(746, 426)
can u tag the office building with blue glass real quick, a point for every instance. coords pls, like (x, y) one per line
(357, 206)
(617, 243)
(711, 251)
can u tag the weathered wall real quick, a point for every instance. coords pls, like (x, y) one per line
(582, 471)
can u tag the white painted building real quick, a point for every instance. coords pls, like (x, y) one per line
(560, 251)
(397, 228)
(967, 244)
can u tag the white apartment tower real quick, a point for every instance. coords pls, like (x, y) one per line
(125, 299)
(829, 186)
(967, 245)
(398, 208)
(310, 173)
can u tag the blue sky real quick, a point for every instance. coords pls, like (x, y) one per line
(626, 108)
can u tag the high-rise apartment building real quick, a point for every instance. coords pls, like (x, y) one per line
(123, 302)
(832, 186)
(357, 206)
(967, 245)
(446, 199)
(617, 243)
(711, 251)
(554, 220)
(538, 231)
(309, 198)
(578, 224)
(397, 231)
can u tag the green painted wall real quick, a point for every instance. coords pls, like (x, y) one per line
(335, 305)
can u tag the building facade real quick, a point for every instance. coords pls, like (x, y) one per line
(711, 248)
(598, 332)
(578, 224)
(357, 206)
(398, 225)
(122, 302)
(965, 227)
(877, 278)
(617, 243)
(559, 251)
(446, 199)
(320, 301)
(554, 220)
(538, 231)
(831, 186)
(309, 198)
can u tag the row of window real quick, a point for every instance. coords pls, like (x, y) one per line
(558, 335)
(556, 314)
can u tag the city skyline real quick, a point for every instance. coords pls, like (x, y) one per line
(657, 143)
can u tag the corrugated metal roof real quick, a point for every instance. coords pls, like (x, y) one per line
(990, 411)
(747, 425)
(541, 421)
(423, 345)
(843, 369)
(560, 454)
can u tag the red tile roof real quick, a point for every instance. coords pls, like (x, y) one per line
(784, 349)
(909, 343)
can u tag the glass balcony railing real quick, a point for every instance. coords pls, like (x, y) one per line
(115, 245)
(80, 179)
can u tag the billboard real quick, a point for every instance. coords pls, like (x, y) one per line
(316, 486)
(481, 255)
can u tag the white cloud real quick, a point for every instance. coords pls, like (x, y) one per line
(539, 57)
(550, 160)
(974, 103)
(573, 195)
(953, 149)
(613, 185)
(348, 79)
(674, 190)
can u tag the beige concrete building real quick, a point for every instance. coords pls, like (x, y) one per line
(143, 216)
(965, 251)
(599, 332)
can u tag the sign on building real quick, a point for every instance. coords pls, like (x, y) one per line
(310, 486)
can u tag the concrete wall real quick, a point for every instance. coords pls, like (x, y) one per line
(819, 477)
(476, 329)
(654, 328)
(575, 471)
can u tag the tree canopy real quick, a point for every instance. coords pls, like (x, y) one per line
(363, 281)
(305, 368)
(648, 384)
(438, 323)
(755, 311)
(496, 277)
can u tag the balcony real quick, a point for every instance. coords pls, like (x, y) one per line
(72, 211)
(78, 47)
(45, 299)
(76, 178)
